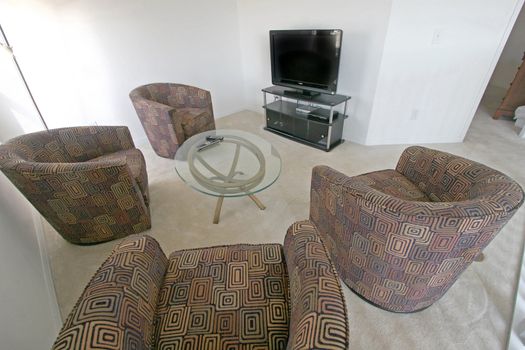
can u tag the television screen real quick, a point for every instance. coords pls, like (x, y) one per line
(306, 59)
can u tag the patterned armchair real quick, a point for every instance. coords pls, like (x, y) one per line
(400, 238)
(89, 183)
(172, 113)
(264, 296)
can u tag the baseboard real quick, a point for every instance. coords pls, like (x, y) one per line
(46, 271)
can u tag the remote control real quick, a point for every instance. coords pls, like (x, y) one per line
(207, 144)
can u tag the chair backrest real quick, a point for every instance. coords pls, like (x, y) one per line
(67, 145)
(174, 95)
(445, 177)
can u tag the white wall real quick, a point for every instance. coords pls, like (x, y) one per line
(103, 49)
(31, 28)
(17, 115)
(437, 60)
(415, 70)
(29, 317)
(511, 57)
(364, 26)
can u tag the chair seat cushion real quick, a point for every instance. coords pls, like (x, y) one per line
(394, 184)
(136, 164)
(194, 120)
(226, 297)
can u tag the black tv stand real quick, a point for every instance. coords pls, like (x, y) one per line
(318, 125)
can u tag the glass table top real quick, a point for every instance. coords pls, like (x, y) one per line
(241, 164)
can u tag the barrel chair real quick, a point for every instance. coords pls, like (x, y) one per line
(172, 113)
(264, 296)
(400, 238)
(89, 183)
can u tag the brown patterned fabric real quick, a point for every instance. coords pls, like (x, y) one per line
(117, 308)
(193, 120)
(225, 297)
(393, 247)
(89, 183)
(134, 158)
(318, 311)
(394, 184)
(172, 113)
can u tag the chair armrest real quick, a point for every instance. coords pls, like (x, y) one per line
(185, 97)
(330, 182)
(73, 144)
(159, 124)
(318, 310)
(148, 105)
(117, 308)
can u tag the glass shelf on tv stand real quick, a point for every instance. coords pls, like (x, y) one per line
(321, 99)
(290, 109)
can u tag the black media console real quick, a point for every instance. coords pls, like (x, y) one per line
(312, 120)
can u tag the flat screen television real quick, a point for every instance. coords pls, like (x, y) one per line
(307, 60)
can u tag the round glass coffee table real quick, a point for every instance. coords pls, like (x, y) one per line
(228, 163)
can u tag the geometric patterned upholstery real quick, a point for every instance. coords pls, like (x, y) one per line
(134, 158)
(395, 248)
(172, 113)
(117, 308)
(318, 311)
(89, 183)
(224, 297)
(394, 184)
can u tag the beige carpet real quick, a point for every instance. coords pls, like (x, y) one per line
(474, 314)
